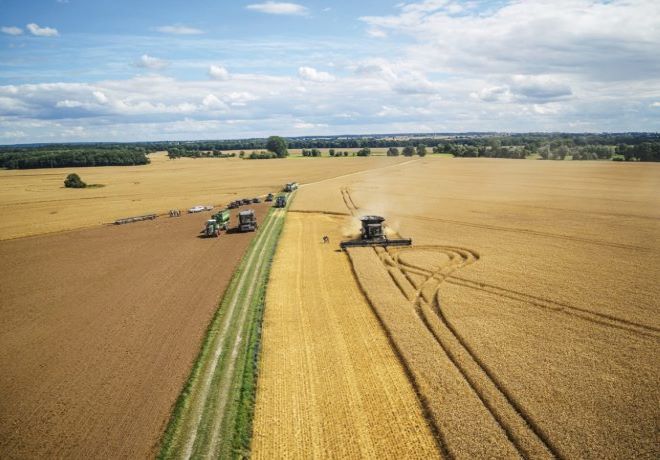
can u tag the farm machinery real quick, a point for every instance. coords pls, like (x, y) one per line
(291, 186)
(247, 221)
(372, 234)
(280, 201)
(217, 222)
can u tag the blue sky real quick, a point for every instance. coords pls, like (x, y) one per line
(119, 70)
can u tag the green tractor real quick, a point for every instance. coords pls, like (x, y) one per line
(217, 222)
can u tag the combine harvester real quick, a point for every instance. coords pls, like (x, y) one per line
(217, 222)
(372, 234)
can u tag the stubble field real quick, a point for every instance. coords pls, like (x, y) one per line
(527, 310)
(329, 385)
(35, 201)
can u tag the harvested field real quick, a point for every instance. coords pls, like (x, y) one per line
(330, 385)
(99, 330)
(528, 306)
(35, 201)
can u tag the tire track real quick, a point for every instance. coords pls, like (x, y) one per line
(520, 429)
(526, 231)
(561, 307)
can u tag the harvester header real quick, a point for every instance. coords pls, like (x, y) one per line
(372, 234)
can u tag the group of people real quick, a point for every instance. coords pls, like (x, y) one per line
(175, 213)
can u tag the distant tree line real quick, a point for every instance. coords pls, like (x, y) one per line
(178, 152)
(550, 146)
(72, 156)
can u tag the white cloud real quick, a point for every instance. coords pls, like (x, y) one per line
(278, 8)
(100, 97)
(42, 31)
(212, 102)
(218, 72)
(376, 32)
(11, 30)
(306, 125)
(150, 62)
(179, 29)
(655, 104)
(68, 104)
(614, 40)
(311, 74)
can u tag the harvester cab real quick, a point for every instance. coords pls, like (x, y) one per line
(247, 221)
(371, 234)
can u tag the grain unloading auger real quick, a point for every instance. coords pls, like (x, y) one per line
(372, 234)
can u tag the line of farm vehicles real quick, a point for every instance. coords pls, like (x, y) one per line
(247, 219)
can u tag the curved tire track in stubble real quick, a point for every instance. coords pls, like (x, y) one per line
(205, 411)
(520, 429)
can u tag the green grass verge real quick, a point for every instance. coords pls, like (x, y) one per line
(242, 432)
(236, 429)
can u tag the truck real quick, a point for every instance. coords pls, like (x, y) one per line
(280, 201)
(291, 186)
(247, 221)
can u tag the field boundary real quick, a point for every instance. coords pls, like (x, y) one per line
(213, 414)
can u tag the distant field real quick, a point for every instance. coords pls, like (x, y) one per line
(527, 309)
(35, 201)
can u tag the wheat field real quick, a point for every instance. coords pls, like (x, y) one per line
(329, 384)
(527, 309)
(35, 201)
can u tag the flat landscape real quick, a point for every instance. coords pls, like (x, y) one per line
(36, 201)
(528, 303)
(523, 320)
(99, 331)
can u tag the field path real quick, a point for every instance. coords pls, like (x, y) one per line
(202, 427)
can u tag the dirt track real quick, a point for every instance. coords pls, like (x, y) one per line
(99, 330)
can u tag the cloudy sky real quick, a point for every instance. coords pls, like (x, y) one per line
(80, 70)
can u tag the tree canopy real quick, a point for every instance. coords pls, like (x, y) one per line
(277, 145)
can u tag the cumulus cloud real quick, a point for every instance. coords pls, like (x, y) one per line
(150, 62)
(212, 102)
(100, 97)
(179, 30)
(311, 74)
(613, 40)
(300, 124)
(42, 31)
(284, 8)
(218, 72)
(11, 30)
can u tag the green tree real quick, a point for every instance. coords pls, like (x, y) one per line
(73, 181)
(421, 150)
(364, 152)
(393, 152)
(408, 151)
(277, 145)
